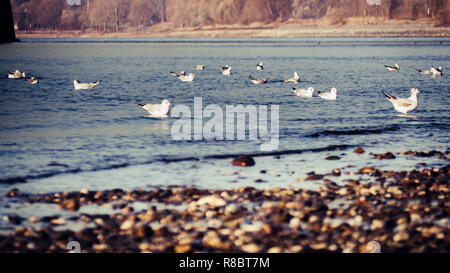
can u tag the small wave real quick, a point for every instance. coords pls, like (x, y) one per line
(364, 131)
(24, 179)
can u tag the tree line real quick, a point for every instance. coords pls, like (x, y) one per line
(113, 15)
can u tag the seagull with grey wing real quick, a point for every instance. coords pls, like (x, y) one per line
(296, 78)
(260, 66)
(81, 86)
(182, 73)
(405, 105)
(425, 72)
(33, 80)
(157, 110)
(16, 75)
(436, 71)
(257, 81)
(332, 95)
(304, 93)
(187, 78)
(395, 67)
(226, 70)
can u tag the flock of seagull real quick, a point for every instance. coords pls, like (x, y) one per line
(402, 105)
(435, 72)
(405, 105)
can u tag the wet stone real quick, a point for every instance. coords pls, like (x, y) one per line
(70, 204)
(313, 177)
(244, 161)
(359, 150)
(388, 155)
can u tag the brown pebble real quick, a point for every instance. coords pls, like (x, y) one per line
(336, 172)
(182, 248)
(313, 177)
(388, 155)
(245, 161)
(367, 170)
(70, 204)
(359, 150)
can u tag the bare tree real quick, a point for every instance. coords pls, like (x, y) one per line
(144, 12)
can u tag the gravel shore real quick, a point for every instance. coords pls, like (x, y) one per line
(399, 211)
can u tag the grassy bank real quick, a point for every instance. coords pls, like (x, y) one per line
(353, 27)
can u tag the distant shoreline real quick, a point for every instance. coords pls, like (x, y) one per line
(303, 29)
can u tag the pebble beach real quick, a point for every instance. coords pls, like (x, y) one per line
(397, 211)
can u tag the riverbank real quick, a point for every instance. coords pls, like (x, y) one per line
(397, 211)
(353, 27)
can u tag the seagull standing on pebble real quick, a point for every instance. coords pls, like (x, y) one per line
(405, 105)
(260, 66)
(395, 67)
(304, 93)
(332, 95)
(157, 110)
(80, 86)
(226, 70)
(296, 78)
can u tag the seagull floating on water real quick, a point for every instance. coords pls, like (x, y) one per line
(157, 110)
(16, 75)
(395, 67)
(226, 70)
(296, 78)
(187, 78)
(33, 80)
(260, 66)
(182, 73)
(304, 93)
(425, 72)
(405, 105)
(80, 86)
(257, 81)
(332, 95)
(200, 67)
(436, 71)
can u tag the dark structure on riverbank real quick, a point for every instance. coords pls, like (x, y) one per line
(7, 33)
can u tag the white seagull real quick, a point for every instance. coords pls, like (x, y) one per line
(33, 80)
(226, 70)
(16, 75)
(436, 71)
(395, 67)
(200, 67)
(332, 95)
(157, 110)
(80, 86)
(188, 78)
(425, 72)
(304, 93)
(182, 73)
(260, 66)
(296, 78)
(257, 81)
(405, 105)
